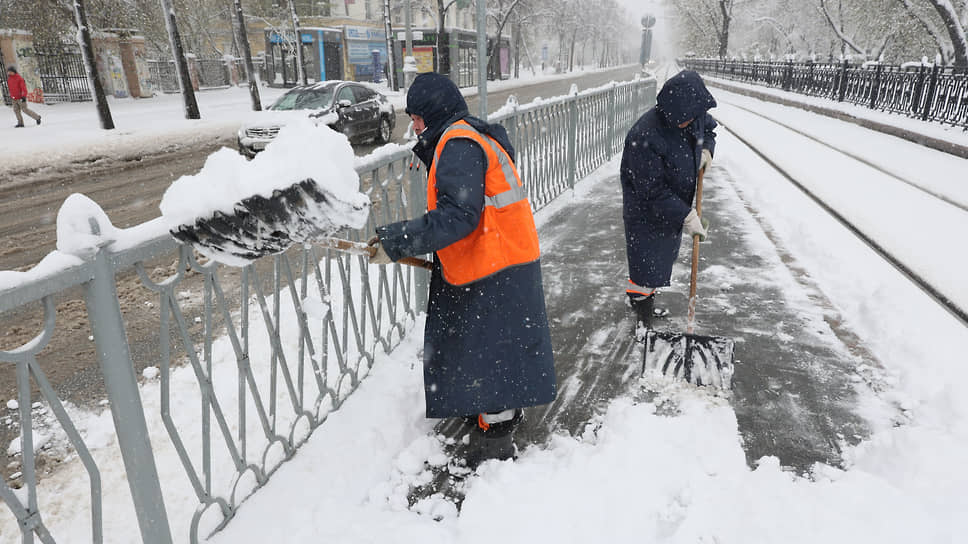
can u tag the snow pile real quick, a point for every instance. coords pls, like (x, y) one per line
(300, 151)
(82, 226)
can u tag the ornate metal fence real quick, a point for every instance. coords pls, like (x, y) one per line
(62, 74)
(163, 76)
(262, 354)
(931, 93)
(4, 91)
(213, 73)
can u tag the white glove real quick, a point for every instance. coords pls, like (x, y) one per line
(705, 160)
(378, 255)
(693, 226)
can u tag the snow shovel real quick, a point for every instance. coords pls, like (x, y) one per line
(360, 248)
(694, 358)
(259, 226)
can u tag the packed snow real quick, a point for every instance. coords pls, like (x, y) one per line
(302, 150)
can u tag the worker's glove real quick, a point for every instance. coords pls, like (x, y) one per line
(378, 255)
(693, 225)
(705, 160)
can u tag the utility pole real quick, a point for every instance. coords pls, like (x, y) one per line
(181, 65)
(298, 40)
(243, 39)
(391, 60)
(482, 56)
(90, 66)
(409, 62)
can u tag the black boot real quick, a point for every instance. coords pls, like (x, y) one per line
(644, 307)
(492, 441)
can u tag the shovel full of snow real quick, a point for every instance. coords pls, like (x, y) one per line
(302, 189)
(695, 358)
(259, 226)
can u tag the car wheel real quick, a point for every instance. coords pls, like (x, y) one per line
(386, 132)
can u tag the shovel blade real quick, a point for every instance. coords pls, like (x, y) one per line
(697, 359)
(260, 226)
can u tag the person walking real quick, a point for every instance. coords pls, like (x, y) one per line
(18, 92)
(487, 346)
(664, 152)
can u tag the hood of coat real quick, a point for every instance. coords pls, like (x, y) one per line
(438, 101)
(683, 97)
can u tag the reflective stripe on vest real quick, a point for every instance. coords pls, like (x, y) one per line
(506, 235)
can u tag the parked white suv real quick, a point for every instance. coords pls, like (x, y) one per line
(356, 110)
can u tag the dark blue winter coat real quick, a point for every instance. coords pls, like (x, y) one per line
(487, 346)
(659, 168)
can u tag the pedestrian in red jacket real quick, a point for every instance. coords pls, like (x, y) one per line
(18, 92)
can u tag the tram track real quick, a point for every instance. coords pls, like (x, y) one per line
(918, 279)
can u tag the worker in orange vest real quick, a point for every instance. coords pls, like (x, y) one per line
(487, 346)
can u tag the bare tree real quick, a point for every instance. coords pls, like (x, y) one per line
(243, 43)
(90, 65)
(181, 65)
(709, 14)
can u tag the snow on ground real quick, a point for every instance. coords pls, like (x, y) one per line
(670, 470)
(71, 132)
(907, 221)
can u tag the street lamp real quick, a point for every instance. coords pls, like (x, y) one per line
(648, 21)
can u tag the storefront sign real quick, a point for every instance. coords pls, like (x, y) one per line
(364, 33)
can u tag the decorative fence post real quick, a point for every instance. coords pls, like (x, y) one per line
(788, 76)
(876, 86)
(932, 88)
(842, 91)
(418, 202)
(114, 356)
(610, 123)
(573, 136)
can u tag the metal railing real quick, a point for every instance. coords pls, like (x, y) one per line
(162, 76)
(266, 352)
(213, 73)
(930, 93)
(63, 76)
(4, 91)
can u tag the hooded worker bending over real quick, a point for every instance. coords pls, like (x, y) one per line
(664, 152)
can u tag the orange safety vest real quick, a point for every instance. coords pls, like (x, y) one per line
(506, 235)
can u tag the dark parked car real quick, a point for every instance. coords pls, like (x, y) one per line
(356, 110)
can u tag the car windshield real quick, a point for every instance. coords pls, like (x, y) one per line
(305, 99)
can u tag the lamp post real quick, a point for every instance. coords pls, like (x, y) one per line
(648, 21)
(482, 56)
(409, 62)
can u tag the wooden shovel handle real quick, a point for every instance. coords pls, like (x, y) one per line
(690, 324)
(360, 248)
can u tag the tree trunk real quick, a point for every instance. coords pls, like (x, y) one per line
(90, 66)
(181, 65)
(516, 41)
(300, 67)
(391, 60)
(571, 50)
(242, 37)
(956, 31)
(725, 10)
